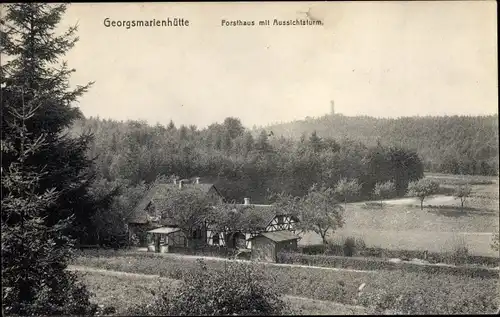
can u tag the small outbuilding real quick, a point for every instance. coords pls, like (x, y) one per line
(164, 237)
(266, 245)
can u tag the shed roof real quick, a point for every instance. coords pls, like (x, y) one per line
(164, 230)
(278, 236)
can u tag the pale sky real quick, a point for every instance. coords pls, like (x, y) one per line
(382, 59)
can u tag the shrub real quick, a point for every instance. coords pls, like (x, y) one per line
(349, 246)
(239, 289)
(352, 246)
(314, 249)
(334, 249)
(460, 251)
(495, 245)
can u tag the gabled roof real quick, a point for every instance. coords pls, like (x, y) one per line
(256, 217)
(157, 194)
(278, 236)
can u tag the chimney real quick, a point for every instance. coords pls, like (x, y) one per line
(197, 180)
(247, 201)
(180, 183)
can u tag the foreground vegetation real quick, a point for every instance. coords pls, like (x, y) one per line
(237, 289)
(398, 290)
(119, 294)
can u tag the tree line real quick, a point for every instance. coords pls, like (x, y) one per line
(447, 144)
(239, 164)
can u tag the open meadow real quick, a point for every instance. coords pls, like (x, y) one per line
(440, 227)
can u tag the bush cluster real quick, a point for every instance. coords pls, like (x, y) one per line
(238, 289)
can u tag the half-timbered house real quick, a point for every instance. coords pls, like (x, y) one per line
(148, 224)
(257, 218)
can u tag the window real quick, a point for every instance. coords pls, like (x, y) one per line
(197, 234)
(215, 239)
(281, 220)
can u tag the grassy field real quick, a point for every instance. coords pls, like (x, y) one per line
(439, 293)
(477, 244)
(437, 228)
(457, 179)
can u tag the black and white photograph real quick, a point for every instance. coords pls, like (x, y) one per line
(249, 158)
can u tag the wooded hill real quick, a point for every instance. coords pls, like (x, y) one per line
(240, 164)
(447, 144)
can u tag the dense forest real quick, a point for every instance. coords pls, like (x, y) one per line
(240, 164)
(447, 144)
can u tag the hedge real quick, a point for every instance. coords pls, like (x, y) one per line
(432, 257)
(206, 251)
(373, 264)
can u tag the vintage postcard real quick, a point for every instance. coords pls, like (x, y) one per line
(237, 158)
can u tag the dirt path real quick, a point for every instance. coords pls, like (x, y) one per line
(80, 268)
(437, 200)
(211, 258)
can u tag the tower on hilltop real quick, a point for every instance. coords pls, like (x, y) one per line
(332, 107)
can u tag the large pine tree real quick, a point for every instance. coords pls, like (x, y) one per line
(34, 254)
(34, 66)
(46, 202)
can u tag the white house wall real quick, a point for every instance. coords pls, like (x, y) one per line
(288, 224)
(222, 238)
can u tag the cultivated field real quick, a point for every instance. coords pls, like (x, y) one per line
(426, 293)
(441, 226)
(124, 291)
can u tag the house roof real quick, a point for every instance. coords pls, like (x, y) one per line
(157, 195)
(164, 230)
(278, 236)
(256, 217)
